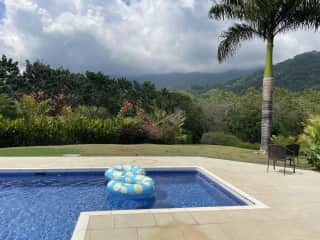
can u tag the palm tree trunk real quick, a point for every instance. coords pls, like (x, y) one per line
(266, 122)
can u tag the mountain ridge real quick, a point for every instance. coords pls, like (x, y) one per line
(187, 81)
(296, 74)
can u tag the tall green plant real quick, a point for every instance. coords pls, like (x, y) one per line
(265, 20)
(310, 140)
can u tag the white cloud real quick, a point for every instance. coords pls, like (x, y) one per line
(129, 37)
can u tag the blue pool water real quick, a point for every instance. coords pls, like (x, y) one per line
(46, 206)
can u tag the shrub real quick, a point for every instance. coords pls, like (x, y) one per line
(313, 156)
(226, 139)
(183, 138)
(94, 112)
(310, 141)
(36, 125)
(220, 138)
(282, 140)
(51, 131)
(130, 130)
(8, 106)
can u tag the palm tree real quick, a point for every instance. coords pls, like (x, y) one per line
(264, 19)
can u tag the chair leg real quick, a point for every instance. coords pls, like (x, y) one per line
(274, 164)
(285, 165)
(268, 164)
(294, 166)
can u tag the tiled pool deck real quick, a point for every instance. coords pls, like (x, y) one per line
(294, 202)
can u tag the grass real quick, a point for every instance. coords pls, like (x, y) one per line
(213, 151)
(37, 151)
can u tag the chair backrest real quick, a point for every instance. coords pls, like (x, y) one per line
(277, 152)
(293, 149)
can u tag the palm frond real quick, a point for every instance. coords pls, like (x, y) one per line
(262, 18)
(232, 38)
(227, 9)
(301, 15)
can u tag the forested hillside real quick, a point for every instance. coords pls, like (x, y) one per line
(191, 81)
(41, 105)
(296, 74)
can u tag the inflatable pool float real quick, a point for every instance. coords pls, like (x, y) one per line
(123, 171)
(129, 181)
(139, 190)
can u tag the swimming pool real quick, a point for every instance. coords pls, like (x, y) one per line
(47, 205)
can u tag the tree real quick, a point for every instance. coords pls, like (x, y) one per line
(8, 106)
(265, 20)
(9, 75)
(39, 76)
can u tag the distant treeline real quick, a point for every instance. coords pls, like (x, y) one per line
(223, 116)
(94, 90)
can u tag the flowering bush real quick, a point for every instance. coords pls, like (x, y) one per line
(54, 106)
(164, 130)
(39, 124)
(158, 127)
(129, 110)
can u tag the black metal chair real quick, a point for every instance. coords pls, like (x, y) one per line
(293, 153)
(279, 153)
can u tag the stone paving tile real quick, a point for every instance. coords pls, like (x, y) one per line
(245, 230)
(173, 219)
(248, 215)
(100, 222)
(164, 219)
(183, 218)
(134, 220)
(160, 234)
(285, 230)
(114, 234)
(205, 232)
(205, 217)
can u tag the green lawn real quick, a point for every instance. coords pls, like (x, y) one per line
(223, 152)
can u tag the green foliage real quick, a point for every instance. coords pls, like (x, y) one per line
(220, 138)
(228, 112)
(183, 138)
(94, 112)
(29, 109)
(282, 140)
(9, 75)
(36, 126)
(240, 114)
(130, 130)
(311, 133)
(226, 139)
(310, 140)
(84, 108)
(313, 156)
(8, 106)
(296, 74)
(99, 95)
(262, 19)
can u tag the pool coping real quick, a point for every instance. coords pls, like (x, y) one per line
(80, 228)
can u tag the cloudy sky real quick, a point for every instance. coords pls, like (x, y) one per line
(129, 37)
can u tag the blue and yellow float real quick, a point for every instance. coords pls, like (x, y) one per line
(129, 181)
